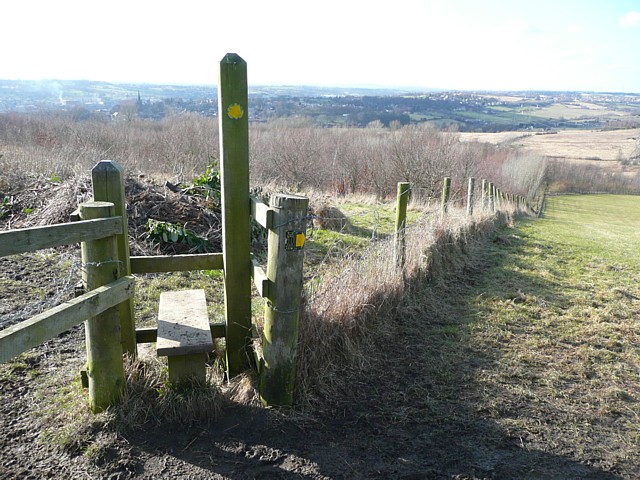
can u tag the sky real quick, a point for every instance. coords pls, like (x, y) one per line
(584, 45)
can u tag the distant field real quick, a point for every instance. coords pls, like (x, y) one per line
(573, 111)
(573, 144)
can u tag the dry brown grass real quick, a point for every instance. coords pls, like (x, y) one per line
(574, 144)
(353, 303)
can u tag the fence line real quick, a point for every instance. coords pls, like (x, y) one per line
(101, 228)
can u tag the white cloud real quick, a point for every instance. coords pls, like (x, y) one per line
(630, 19)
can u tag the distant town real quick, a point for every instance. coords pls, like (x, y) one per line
(331, 106)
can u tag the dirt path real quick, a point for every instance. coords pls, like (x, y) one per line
(413, 412)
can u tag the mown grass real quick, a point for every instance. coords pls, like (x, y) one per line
(555, 322)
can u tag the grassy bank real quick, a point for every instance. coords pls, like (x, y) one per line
(554, 328)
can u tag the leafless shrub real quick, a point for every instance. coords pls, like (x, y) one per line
(524, 174)
(55, 144)
(571, 177)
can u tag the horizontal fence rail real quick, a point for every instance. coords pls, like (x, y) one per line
(150, 334)
(260, 279)
(261, 213)
(45, 326)
(176, 263)
(13, 242)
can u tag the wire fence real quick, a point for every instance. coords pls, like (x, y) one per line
(51, 281)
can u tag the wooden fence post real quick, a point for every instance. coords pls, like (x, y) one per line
(101, 265)
(485, 199)
(446, 192)
(108, 186)
(401, 223)
(491, 189)
(236, 209)
(470, 188)
(282, 311)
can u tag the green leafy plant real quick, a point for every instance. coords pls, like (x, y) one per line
(171, 233)
(5, 207)
(207, 185)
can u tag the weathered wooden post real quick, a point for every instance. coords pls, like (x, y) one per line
(470, 188)
(282, 311)
(401, 223)
(491, 193)
(108, 186)
(485, 199)
(236, 209)
(446, 192)
(101, 265)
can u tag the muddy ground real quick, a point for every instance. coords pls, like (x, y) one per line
(393, 420)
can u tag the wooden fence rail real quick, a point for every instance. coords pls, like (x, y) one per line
(176, 263)
(14, 242)
(47, 325)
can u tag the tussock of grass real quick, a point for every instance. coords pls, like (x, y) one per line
(148, 396)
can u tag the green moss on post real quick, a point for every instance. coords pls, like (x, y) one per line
(104, 350)
(470, 200)
(491, 197)
(446, 192)
(108, 186)
(282, 312)
(485, 194)
(401, 223)
(233, 115)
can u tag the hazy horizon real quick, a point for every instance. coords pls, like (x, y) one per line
(407, 89)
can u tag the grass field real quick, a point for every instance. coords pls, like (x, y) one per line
(556, 319)
(576, 144)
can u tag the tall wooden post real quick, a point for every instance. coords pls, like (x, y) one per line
(485, 199)
(446, 192)
(282, 311)
(401, 222)
(236, 210)
(101, 265)
(491, 193)
(470, 188)
(108, 186)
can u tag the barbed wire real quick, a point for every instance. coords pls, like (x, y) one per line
(283, 312)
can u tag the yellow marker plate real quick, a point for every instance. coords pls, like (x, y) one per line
(300, 240)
